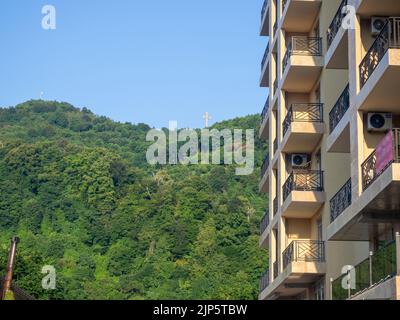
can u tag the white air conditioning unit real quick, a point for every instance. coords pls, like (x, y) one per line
(380, 121)
(299, 160)
(377, 24)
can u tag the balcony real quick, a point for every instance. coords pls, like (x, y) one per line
(339, 110)
(264, 183)
(378, 205)
(276, 146)
(263, 231)
(264, 30)
(379, 71)
(264, 81)
(303, 194)
(339, 138)
(304, 251)
(375, 276)
(264, 127)
(275, 206)
(341, 201)
(264, 223)
(275, 86)
(299, 15)
(303, 127)
(302, 64)
(303, 265)
(381, 8)
(336, 36)
(276, 269)
(275, 30)
(264, 281)
(376, 164)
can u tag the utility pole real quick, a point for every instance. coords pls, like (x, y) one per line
(10, 267)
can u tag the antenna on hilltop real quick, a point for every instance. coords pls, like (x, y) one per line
(206, 118)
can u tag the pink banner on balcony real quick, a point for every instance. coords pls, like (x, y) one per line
(384, 152)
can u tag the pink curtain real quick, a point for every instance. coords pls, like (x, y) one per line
(384, 152)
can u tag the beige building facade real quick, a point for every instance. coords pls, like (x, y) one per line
(332, 173)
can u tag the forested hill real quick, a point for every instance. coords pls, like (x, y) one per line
(76, 188)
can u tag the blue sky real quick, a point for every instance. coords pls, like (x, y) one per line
(136, 61)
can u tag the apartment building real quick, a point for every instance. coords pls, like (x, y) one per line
(332, 173)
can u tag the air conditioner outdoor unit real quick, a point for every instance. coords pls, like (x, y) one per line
(380, 122)
(299, 160)
(377, 24)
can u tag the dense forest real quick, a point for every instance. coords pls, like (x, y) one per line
(76, 188)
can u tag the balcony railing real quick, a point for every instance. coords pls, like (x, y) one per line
(378, 267)
(339, 110)
(265, 111)
(377, 163)
(307, 180)
(341, 201)
(303, 112)
(276, 85)
(300, 45)
(284, 4)
(264, 223)
(388, 38)
(265, 57)
(265, 166)
(336, 23)
(264, 9)
(304, 251)
(275, 206)
(264, 281)
(276, 269)
(275, 146)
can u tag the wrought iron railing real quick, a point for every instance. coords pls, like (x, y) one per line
(339, 109)
(275, 85)
(265, 110)
(265, 166)
(275, 206)
(264, 223)
(387, 39)
(265, 57)
(264, 281)
(303, 180)
(300, 45)
(336, 23)
(304, 251)
(284, 4)
(369, 167)
(376, 268)
(341, 201)
(303, 112)
(276, 269)
(264, 9)
(275, 145)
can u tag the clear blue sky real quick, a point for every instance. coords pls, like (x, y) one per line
(145, 61)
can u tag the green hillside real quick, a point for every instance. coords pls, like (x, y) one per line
(76, 188)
